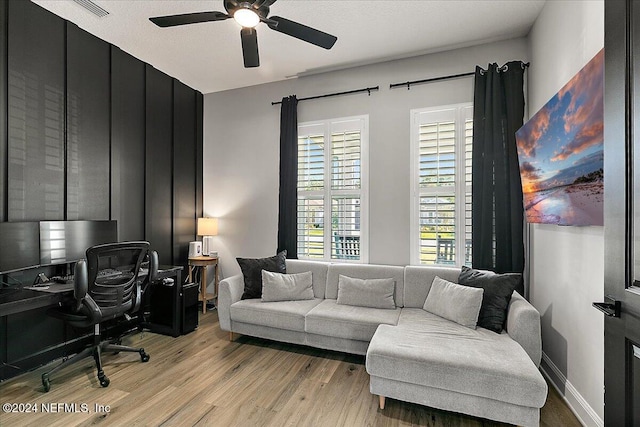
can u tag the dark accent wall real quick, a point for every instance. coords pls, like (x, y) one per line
(89, 132)
(36, 114)
(159, 143)
(3, 107)
(127, 144)
(184, 157)
(199, 152)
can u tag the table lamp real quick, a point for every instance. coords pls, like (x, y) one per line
(207, 228)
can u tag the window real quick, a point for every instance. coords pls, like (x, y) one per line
(441, 141)
(332, 189)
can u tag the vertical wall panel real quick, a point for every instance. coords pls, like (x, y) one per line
(184, 167)
(36, 67)
(159, 163)
(127, 144)
(3, 111)
(88, 100)
(199, 154)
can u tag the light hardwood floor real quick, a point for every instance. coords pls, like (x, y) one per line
(203, 379)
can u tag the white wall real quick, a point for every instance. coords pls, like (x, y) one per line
(242, 144)
(567, 263)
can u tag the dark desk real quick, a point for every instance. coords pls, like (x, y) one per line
(17, 300)
(29, 338)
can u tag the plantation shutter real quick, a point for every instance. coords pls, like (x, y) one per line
(311, 191)
(345, 185)
(443, 185)
(331, 189)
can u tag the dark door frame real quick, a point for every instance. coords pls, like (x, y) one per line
(622, 113)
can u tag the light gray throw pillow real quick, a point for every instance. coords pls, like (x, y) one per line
(286, 287)
(460, 304)
(374, 293)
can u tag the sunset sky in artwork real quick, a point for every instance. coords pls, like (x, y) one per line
(565, 138)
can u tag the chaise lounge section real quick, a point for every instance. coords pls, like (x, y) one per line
(432, 361)
(411, 354)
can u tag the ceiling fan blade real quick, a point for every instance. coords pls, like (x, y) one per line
(302, 32)
(262, 3)
(188, 18)
(249, 38)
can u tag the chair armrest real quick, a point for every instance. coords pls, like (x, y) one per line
(229, 291)
(523, 325)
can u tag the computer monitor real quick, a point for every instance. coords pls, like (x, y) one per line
(67, 241)
(20, 246)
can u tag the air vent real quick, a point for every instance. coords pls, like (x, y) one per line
(92, 7)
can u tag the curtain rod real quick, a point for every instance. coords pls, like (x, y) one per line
(349, 92)
(524, 65)
(434, 79)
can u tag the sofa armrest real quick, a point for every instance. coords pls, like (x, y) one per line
(523, 325)
(229, 291)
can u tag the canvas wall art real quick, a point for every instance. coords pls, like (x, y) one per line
(561, 153)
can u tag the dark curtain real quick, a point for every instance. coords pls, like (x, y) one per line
(497, 207)
(288, 205)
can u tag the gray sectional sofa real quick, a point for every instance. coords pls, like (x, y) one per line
(411, 354)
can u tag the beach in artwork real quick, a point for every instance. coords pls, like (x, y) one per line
(579, 204)
(561, 153)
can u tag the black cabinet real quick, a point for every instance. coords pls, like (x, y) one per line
(88, 105)
(36, 113)
(189, 308)
(127, 144)
(173, 307)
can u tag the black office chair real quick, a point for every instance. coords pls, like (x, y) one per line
(106, 286)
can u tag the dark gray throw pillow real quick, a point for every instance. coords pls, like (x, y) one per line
(497, 294)
(252, 272)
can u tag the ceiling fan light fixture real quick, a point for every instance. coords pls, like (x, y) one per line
(246, 17)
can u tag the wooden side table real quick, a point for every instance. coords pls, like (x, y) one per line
(203, 262)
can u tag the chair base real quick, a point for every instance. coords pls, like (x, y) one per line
(95, 350)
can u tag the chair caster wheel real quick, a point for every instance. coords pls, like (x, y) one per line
(46, 383)
(104, 381)
(144, 357)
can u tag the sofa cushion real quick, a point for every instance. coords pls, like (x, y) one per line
(497, 294)
(319, 270)
(286, 287)
(374, 293)
(460, 304)
(281, 314)
(418, 280)
(252, 272)
(428, 350)
(365, 271)
(347, 321)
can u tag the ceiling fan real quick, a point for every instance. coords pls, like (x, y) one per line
(249, 14)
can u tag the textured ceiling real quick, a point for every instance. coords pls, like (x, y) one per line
(208, 56)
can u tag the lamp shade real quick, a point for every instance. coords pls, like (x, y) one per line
(207, 226)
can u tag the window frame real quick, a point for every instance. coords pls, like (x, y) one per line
(459, 113)
(327, 194)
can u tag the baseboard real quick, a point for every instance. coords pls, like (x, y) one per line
(578, 405)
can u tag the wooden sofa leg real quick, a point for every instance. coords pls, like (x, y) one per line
(381, 402)
(231, 336)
